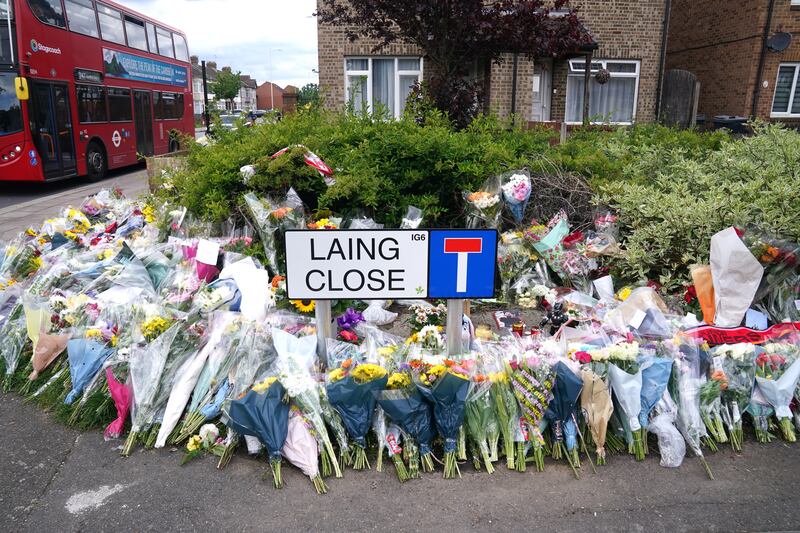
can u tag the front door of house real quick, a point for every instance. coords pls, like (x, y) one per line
(542, 90)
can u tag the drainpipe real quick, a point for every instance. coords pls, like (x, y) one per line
(587, 73)
(663, 59)
(514, 85)
(761, 59)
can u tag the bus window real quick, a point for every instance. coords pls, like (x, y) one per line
(119, 105)
(10, 113)
(165, 43)
(6, 36)
(134, 29)
(151, 38)
(81, 17)
(48, 11)
(91, 103)
(168, 106)
(111, 24)
(181, 50)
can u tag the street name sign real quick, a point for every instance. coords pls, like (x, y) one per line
(390, 264)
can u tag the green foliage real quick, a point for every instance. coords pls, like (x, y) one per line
(672, 202)
(631, 153)
(308, 94)
(227, 85)
(382, 166)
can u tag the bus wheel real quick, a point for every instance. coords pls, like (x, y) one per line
(96, 163)
(174, 145)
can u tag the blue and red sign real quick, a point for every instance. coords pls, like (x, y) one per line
(462, 264)
(132, 67)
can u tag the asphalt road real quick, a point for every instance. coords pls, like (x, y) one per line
(12, 193)
(57, 479)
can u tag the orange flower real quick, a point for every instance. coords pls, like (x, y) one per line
(347, 363)
(770, 254)
(449, 363)
(719, 375)
(281, 212)
(277, 280)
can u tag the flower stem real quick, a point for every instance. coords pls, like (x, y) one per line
(400, 468)
(520, 464)
(130, 442)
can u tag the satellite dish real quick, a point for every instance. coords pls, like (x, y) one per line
(779, 42)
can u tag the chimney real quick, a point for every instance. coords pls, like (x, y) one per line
(212, 65)
(195, 60)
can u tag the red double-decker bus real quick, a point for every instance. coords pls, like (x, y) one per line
(87, 86)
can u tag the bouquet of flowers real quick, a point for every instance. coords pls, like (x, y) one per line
(427, 315)
(597, 407)
(301, 448)
(445, 387)
(547, 241)
(272, 219)
(406, 407)
(479, 417)
(603, 240)
(625, 378)
(533, 387)
(352, 392)
(517, 192)
(514, 259)
(736, 379)
(685, 390)
(655, 372)
(295, 359)
(779, 289)
(483, 206)
(776, 379)
(562, 414)
(264, 413)
(505, 407)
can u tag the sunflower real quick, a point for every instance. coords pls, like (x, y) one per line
(304, 306)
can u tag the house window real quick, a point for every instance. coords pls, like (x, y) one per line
(613, 101)
(381, 82)
(786, 102)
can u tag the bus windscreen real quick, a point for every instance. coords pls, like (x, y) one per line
(10, 113)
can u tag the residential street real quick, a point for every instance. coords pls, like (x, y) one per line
(25, 204)
(58, 479)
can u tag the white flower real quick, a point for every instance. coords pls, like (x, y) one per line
(209, 434)
(485, 202)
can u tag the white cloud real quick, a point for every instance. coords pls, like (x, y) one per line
(241, 33)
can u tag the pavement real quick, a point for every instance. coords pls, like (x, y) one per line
(24, 205)
(55, 478)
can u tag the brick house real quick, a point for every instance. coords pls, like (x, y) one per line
(727, 46)
(630, 39)
(270, 96)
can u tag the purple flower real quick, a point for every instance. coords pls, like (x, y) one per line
(349, 319)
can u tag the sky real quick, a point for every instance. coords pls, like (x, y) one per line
(241, 34)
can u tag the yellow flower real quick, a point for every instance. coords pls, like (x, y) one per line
(322, 222)
(37, 262)
(264, 385)
(194, 443)
(368, 372)
(114, 340)
(624, 293)
(108, 253)
(336, 375)
(398, 380)
(94, 333)
(30, 232)
(412, 339)
(498, 377)
(154, 327)
(304, 306)
(149, 213)
(386, 351)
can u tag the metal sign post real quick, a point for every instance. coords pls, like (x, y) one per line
(322, 313)
(455, 317)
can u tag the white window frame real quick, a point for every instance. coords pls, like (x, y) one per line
(792, 93)
(368, 74)
(795, 3)
(580, 62)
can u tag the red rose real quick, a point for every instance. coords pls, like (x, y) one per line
(656, 286)
(690, 295)
(572, 239)
(348, 336)
(583, 357)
